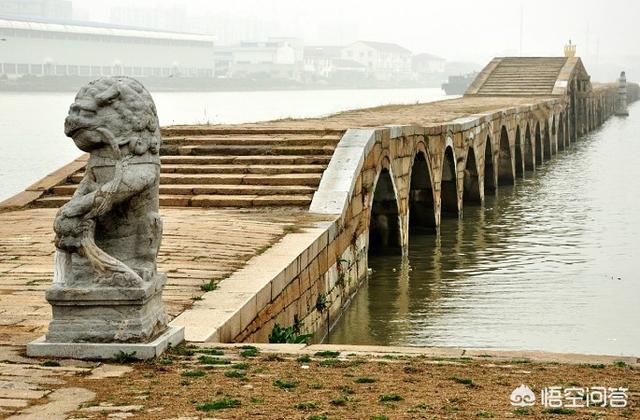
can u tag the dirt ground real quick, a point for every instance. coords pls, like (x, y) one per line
(226, 383)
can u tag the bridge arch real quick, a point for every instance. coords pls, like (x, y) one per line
(518, 153)
(422, 212)
(554, 136)
(449, 182)
(561, 132)
(385, 224)
(505, 165)
(546, 144)
(539, 149)
(529, 151)
(489, 178)
(471, 180)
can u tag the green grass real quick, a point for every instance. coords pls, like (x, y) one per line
(327, 353)
(620, 364)
(194, 373)
(316, 386)
(166, 361)
(390, 397)
(316, 417)
(209, 286)
(339, 401)
(329, 362)
(464, 381)
(284, 384)
(211, 352)
(220, 404)
(304, 358)
(182, 350)
(307, 405)
(347, 390)
(380, 417)
(208, 360)
(50, 363)
(595, 365)
(522, 412)
(559, 410)
(240, 366)
(235, 374)
(249, 351)
(485, 414)
(365, 380)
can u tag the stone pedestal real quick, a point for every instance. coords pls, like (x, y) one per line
(171, 337)
(108, 314)
(106, 295)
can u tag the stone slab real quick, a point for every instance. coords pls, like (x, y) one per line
(172, 337)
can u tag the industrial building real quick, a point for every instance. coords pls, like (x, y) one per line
(45, 47)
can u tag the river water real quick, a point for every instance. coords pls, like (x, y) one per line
(550, 264)
(32, 142)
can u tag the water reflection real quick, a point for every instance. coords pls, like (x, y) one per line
(548, 264)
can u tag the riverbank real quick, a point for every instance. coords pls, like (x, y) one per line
(314, 382)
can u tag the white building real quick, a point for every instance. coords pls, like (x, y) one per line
(70, 49)
(318, 60)
(384, 61)
(276, 58)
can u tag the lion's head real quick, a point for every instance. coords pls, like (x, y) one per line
(115, 111)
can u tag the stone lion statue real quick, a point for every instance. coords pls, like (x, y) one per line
(109, 233)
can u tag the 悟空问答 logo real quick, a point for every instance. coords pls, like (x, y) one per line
(522, 396)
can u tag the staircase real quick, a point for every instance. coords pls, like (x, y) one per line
(523, 76)
(209, 167)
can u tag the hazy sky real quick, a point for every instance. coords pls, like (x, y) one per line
(455, 29)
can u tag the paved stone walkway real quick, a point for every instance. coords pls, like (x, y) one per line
(199, 246)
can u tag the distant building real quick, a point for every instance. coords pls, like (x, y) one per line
(426, 64)
(345, 69)
(59, 48)
(318, 60)
(47, 9)
(384, 61)
(276, 58)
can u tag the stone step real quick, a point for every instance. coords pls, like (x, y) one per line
(195, 189)
(245, 150)
(186, 130)
(248, 160)
(230, 179)
(249, 200)
(168, 200)
(521, 78)
(518, 84)
(242, 169)
(527, 73)
(244, 141)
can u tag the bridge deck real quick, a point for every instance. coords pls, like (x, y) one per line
(427, 114)
(276, 163)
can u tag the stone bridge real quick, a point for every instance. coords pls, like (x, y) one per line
(368, 178)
